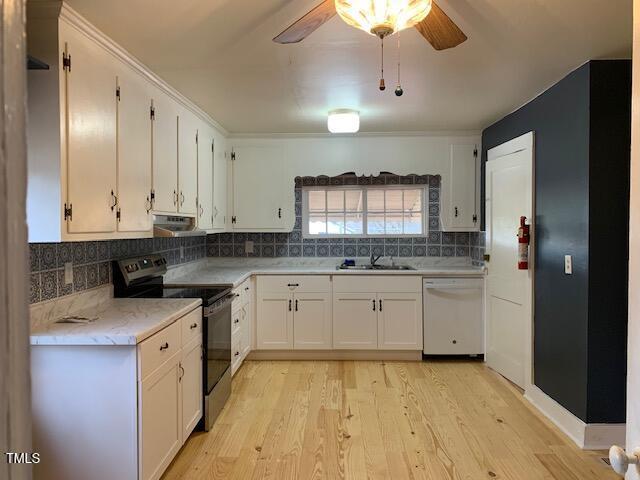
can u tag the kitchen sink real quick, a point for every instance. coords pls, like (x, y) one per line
(375, 267)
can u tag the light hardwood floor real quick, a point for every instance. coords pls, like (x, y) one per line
(386, 420)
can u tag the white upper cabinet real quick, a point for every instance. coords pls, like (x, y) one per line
(205, 176)
(165, 153)
(459, 202)
(259, 184)
(220, 182)
(187, 162)
(134, 153)
(91, 135)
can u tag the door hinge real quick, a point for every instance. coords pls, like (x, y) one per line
(119, 214)
(211, 147)
(152, 113)
(118, 93)
(475, 218)
(68, 212)
(233, 156)
(233, 219)
(475, 152)
(196, 137)
(66, 61)
(152, 196)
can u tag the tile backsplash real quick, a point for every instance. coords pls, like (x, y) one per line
(435, 244)
(92, 261)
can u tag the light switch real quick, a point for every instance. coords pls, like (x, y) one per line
(68, 273)
(568, 265)
(248, 246)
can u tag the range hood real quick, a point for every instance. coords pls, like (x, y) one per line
(175, 226)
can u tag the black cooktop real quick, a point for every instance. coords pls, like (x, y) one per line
(209, 295)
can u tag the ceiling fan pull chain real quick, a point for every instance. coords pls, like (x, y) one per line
(382, 85)
(399, 90)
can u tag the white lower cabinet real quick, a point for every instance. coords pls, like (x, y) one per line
(160, 419)
(399, 321)
(191, 379)
(312, 321)
(355, 321)
(293, 312)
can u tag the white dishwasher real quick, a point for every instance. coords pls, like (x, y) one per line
(452, 316)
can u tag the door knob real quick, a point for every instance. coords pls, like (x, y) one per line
(620, 460)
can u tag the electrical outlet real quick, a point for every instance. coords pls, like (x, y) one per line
(181, 252)
(68, 273)
(248, 246)
(568, 265)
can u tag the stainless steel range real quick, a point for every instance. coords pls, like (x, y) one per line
(142, 277)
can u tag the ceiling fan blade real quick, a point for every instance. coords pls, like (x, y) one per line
(308, 24)
(439, 29)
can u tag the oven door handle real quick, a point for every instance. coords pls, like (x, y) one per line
(227, 302)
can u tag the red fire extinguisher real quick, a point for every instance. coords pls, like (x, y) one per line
(524, 239)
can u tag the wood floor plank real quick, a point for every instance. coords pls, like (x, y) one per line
(434, 420)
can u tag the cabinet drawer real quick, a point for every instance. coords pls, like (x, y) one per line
(157, 349)
(191, 326)
(294, 283)
(236, 350)
(378, 283)
(236, 321)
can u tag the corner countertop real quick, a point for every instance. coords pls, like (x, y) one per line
(120, 321)
(210, 274)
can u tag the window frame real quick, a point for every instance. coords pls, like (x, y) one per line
(365, 188)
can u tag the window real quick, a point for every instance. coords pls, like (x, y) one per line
(363, 211)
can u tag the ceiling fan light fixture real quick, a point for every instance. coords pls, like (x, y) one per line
(383, 17)
(343, 121)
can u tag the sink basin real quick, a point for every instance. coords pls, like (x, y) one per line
(375, 267)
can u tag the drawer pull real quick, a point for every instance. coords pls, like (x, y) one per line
(293, 284)
(237, 353)
(237, 320)
(164, 347)
(246, 289)
(193, 325)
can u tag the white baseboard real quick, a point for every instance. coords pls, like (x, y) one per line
(588, 436)
(399, 355)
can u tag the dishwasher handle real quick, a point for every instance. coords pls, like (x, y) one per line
(452, 286)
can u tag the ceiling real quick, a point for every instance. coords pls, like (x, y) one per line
(219, 53)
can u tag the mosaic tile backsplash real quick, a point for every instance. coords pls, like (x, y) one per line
(435, 244)
(92, 261)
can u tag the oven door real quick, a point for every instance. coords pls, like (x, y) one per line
(216, 343)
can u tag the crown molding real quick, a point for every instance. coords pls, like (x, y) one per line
(74, 19)
(292, 136)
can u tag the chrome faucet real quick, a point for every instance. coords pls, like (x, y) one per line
(374, 259)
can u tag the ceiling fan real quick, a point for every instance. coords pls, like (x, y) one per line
(380, 18)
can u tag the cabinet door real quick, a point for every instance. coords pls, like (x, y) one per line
(258, 188)
(165, 153)
(219, 183)
(247, 329)
(312, 321)
(187, 163)
(205, 177)
(160, 417)
(191, 383)
(274, 328)
(462, 195)
(355, 321)
(134, 153)
(399, 321)
(91, 135)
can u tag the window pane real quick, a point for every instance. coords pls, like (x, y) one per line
(375, 200)
(335, 200)
(413, 200)
(394, 201)
(353, 200)
(317, 201)
(354, 224)
(335, 224)
(413, 223)
(394, 224)
(375, 224)
(317, 224)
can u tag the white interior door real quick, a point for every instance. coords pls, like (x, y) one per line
(509, 180)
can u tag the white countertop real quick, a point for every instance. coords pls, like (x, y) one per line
(120, 321)
(211, 273)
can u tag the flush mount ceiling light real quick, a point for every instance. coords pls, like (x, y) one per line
(343, 121)
(383, 17)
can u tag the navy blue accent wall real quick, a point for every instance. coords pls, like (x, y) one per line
(582, 154)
